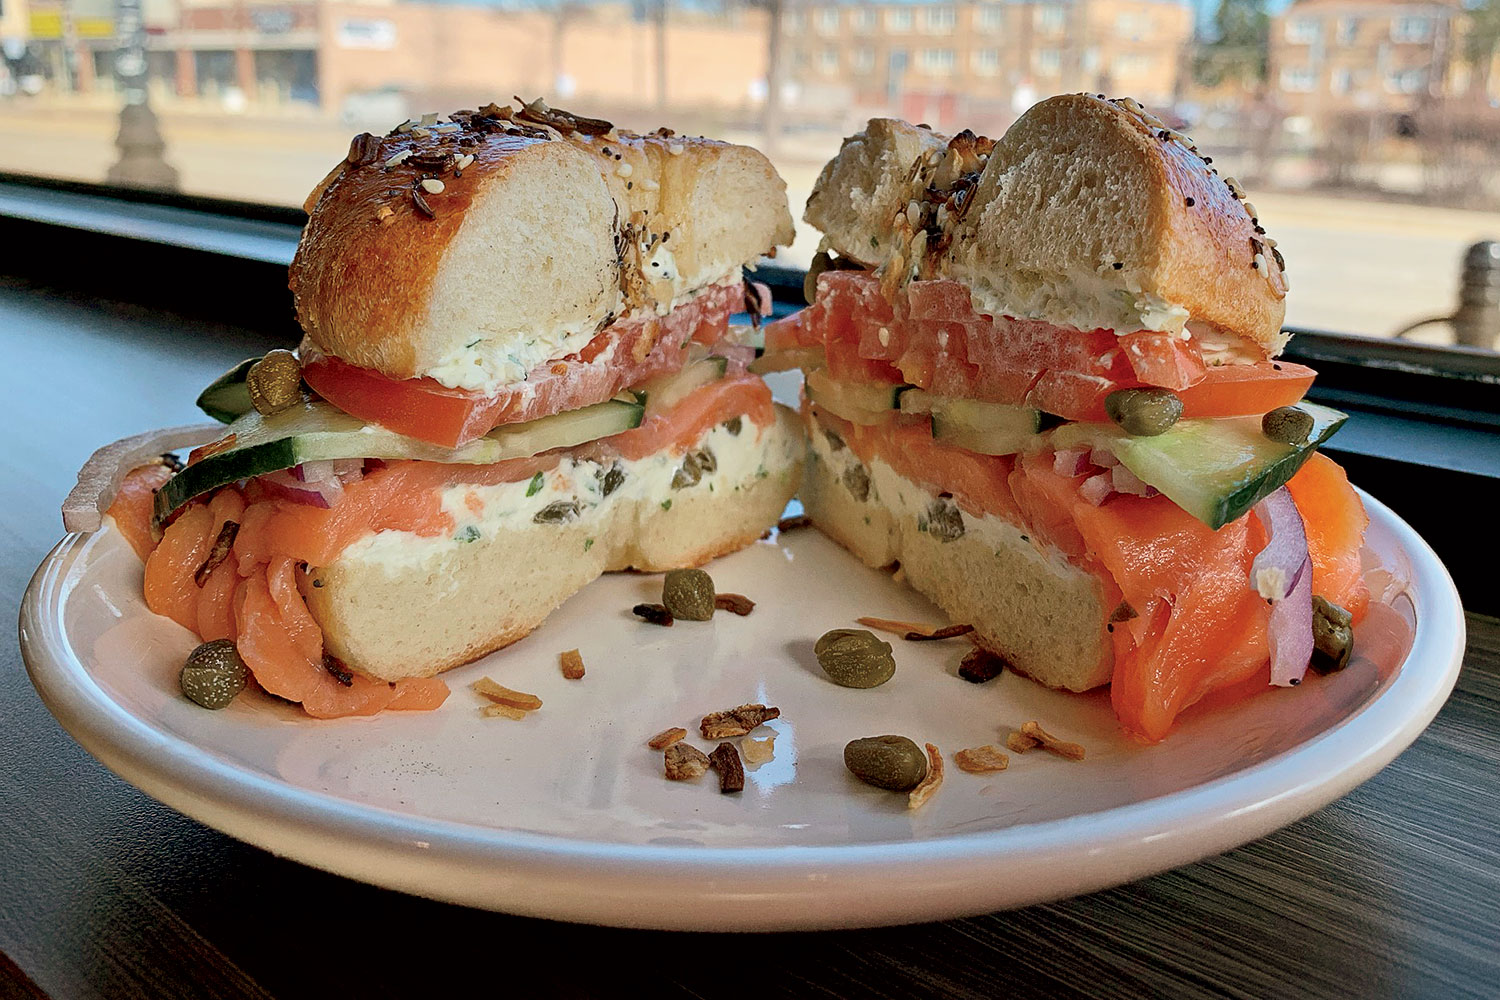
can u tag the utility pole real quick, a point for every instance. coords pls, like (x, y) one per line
(770, 120)
(139, 140)
(661, 56)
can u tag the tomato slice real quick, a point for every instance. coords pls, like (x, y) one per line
(934, 339)
(1237, 390)
(622, 354)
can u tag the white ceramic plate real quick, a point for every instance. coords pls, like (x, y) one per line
(567, 814)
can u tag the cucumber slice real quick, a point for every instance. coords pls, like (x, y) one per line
(318, 430)
(226, 398)
(1217, 469)
(666, 391)
(857, 402)
(986, 428)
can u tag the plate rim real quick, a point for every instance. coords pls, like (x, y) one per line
(937, 875)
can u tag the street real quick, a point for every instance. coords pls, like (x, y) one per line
(1355, 266)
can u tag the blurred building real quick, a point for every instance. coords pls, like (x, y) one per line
(983, 61)
(374, 60)
(1331, 57)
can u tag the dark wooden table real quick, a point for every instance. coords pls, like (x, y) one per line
(1394, 891)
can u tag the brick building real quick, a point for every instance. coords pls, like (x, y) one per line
(1334, 56)
(983, 61)
(329, 55)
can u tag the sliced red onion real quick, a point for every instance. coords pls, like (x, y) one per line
(1071, 462)
(349, 470)
(1282, 574)
(312, 472)
(1097, 489)
(1103, 458)
(1125, 481)
(283, 483)
(99, 479)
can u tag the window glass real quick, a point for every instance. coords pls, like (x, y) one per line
(1368, 134)
(940, 20)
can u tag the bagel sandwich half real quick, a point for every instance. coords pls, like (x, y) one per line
(1041, 375)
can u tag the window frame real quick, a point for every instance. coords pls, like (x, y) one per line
(1426, 427)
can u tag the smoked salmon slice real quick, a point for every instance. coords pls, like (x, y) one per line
(254, 597)
(1199, 627)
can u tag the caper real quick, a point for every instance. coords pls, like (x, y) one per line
(274, 382)
(213, 674)
(944, 519)
(892, 762)
(1144, 412)
(688, 473)
(1287, 425)
(734, 425)
(820, 263)
(611, 480)
(855, 658)
(557, 512)
(1333, 636)
(688, 594)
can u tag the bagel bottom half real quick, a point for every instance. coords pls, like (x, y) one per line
(1028, 604)
(397, 605)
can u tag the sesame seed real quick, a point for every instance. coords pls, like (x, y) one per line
(675, 148)
(1117, 265)
(1250, 210)
(885, 337)
(1208, 159)
(649, 185)
(422, 132)
(430, 118)
(1260, 262)
(1269, 242)
(914, 214)
(1189, 201)
(433, 186)
(624, 169)
(464, 161)
(398, 159)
